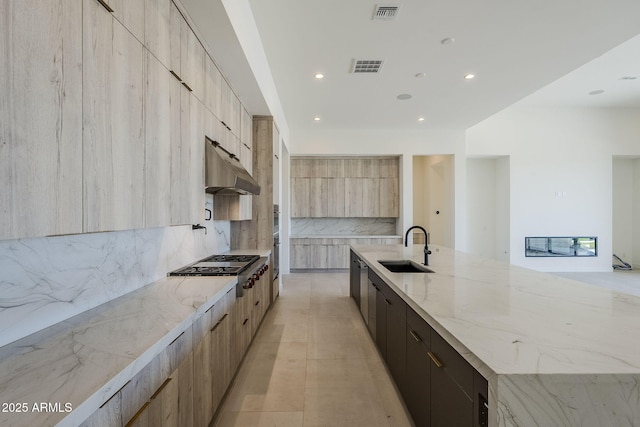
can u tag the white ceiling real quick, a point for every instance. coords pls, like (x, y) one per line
(515, 47)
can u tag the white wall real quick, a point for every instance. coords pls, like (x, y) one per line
(488, 203)
(406, 145)
(560, 174)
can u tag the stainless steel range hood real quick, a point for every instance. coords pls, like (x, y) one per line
(224, 174)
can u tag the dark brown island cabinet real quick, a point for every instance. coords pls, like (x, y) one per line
(439, 387)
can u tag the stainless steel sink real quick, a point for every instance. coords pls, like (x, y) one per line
(404, 266)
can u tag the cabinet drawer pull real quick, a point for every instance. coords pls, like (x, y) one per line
(245, 321)
(209, 309)
(257, 302)
(137, 415)
(106, 6)
(435, 360)
(215, 326)
(415, 336)
(249, 148)
(187, 86)
(173, 73)
(159, 390)
(387, 301)
(171, 343)
(224, 317)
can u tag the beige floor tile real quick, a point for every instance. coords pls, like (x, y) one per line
(269, 385)
(313, 363)
(343, 406)
(261, 419)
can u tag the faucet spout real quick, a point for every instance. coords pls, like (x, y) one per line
(427, 252)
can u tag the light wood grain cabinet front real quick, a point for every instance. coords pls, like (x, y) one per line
(113, 134)
(41, 116)
(157, 29)
(157, 161)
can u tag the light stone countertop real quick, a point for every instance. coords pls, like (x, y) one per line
(556, 352)
(87, 358)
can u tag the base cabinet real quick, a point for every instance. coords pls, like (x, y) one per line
(439, 387)
(184, 385)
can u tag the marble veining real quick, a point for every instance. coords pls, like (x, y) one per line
(46, 280)
(556, 352)
(343, 226)
(85, 359)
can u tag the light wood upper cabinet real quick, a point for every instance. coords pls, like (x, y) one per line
(176, 22)
(41, 116)
(157, 15)
(157, 162)
(186, 55)
(229, 107)
(389, 198)
(130, 14)
(113, 134)
(212, 87)
(344, 187)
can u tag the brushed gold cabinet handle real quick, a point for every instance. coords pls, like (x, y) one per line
(245, 321)
(215, 326)
(106, 6)
(224, 317)
(435, 360)
(415, 336)
(187, 86)
(137, 415)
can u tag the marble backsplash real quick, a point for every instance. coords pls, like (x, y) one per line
(46, 280)
(343, 226)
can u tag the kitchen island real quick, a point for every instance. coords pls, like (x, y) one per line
(555, 352)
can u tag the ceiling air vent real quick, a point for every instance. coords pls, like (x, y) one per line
(367, 66)
(386, 11)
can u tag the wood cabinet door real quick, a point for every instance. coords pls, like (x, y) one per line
(176, 21)
(389, 198)
(335, 197)
(417, 389)
(213, 79)
(41, 115)
(371, 197)
(397, 340)
(300, 188)
(353, 197)
(113, 134)
(157, 125)
(157, 15)
(163, 406)
(192, 155)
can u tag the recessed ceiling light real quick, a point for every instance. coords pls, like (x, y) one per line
(319, 76)
(469, 76)
(421, 119)
(448, 40)
(421, 75)
(316, 119)
(628, 78)
(404, 96)
(596, 92)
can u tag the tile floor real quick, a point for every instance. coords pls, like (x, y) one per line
(312, 363)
